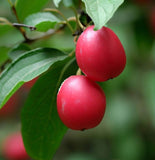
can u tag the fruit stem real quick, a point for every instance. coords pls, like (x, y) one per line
(22, 31)
(79, 25)
(63, 71)
(78, 72)
(71, 53)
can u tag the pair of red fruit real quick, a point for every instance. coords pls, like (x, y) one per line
(100, 55)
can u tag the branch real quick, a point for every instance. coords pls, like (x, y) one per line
(61, 14)
(32, 28)
(22, 31)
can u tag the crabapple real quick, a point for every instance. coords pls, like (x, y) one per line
(80, 103)
(13, 148)
(100, 54)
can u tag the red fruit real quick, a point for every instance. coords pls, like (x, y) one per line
(13, 148)
(80, 103)
(100, 54)
(10, 107)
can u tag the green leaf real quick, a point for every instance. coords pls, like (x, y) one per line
(10, 36)
(27, 7)
(101, 11)
(26, 68)
(68, 3)
(56, 2)
(4, 28)
(149, 91)
(3, 54)
(43, 21)
(39, 114)
(18, 51)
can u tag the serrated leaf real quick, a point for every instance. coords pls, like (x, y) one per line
(27, 7)
(39, 114)
(101, 11)
(26, 68)
(43, 21)
(56, 2)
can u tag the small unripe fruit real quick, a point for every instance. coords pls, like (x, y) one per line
(13, 148)
(80, 103)
(100, 54)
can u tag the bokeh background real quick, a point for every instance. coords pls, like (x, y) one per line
(127, 131)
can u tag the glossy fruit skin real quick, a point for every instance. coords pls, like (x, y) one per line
(13, 148)
(100, 54)
(81, 103)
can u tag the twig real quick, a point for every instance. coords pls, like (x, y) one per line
(4, 20)
(46, 35)
(79, 25)
(57, 11)
(22, 31)
(32, 28)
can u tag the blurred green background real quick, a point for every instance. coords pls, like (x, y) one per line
(127, 131)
